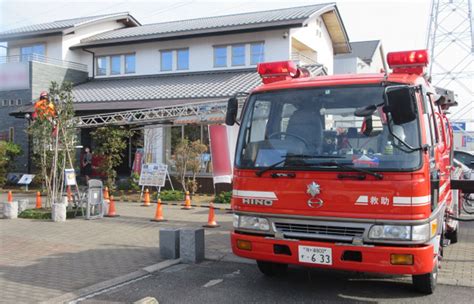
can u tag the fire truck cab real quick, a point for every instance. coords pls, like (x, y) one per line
(347, 172)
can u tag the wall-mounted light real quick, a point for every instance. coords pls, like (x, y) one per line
(285, 35)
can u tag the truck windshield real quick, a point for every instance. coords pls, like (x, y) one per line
(322, 123)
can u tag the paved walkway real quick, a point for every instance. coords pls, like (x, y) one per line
(40, 260)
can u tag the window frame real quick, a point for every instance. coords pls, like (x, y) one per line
(111, 57)
(215, 48)
(98, 58)
(178, 68)
(162, 52)
(125, 63)
(233, 48)
(262, 43)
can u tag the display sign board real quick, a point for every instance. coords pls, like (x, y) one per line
(26, 179)
(153, 175)
(70, 177)
(14, 76)
(458, 126)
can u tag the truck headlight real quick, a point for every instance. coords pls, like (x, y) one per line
(422, 232)
(390, 232)
(251, 222)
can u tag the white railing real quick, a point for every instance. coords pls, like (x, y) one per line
(44, 59)
(302, 59)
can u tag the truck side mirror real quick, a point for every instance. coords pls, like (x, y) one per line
(400, 102)
(232, 109)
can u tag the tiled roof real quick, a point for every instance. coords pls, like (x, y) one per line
(59, 25)
(196, 85)
(364, 50)
(209, 24)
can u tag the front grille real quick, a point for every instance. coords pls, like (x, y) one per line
(319, 231)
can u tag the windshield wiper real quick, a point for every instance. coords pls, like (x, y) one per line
(293, 156)
(345, 166)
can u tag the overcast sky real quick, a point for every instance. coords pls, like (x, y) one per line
(400, 24)
(364, 20)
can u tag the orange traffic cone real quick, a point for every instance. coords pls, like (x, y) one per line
(69, 194)
(38, 200)
(211, 220)
(112, 212)
(187, 202)
(106, 193)
(159, 213)
(146, 202)
(10, 197)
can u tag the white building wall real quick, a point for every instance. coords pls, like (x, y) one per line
(80, 56)
(316, 36)
(345, 65)
(377, 63)
(201, 51)
(53, 46)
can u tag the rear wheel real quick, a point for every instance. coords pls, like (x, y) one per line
(272, 269)
(426, 283)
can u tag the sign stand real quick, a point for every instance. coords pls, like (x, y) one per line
(154, 175)
(26, 179)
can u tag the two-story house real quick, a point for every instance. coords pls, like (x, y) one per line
(137, 66)
(365, 57)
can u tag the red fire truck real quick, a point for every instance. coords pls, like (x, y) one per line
(346, 172)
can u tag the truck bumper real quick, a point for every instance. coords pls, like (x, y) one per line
(373, 258)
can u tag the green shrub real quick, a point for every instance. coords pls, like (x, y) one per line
(223, 197)
(45, 214)
(171, 195)
(8, 152)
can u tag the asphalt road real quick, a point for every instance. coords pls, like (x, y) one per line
(226, 282)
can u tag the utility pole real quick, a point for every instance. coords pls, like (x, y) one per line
(450, 42)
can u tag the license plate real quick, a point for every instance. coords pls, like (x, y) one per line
(315, 255)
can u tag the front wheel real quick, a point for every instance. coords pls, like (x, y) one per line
(272, 269)
(426, 283)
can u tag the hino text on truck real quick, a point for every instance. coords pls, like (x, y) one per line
(346, 172)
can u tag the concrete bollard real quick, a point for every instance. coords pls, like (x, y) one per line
(58, 210)
(191, 245)
(169, 243)
(10, 210)
(23, 205)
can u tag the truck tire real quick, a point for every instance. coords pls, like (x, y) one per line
(426, 283)
(272, 269)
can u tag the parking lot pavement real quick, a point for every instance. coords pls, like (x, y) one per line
(227, 282)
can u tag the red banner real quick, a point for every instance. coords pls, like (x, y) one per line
(221, 163)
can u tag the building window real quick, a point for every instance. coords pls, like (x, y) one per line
(101, 66)
(18, 102)
(11, 134)
(5, 103)
(129, 63)
(166, 60)
(220, 56)
(12, 102)
(238, 54)
(256, 53)
(183, 59)
(28, 52)
(115, 65)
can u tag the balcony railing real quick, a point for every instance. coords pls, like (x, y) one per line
(44, 59)
(302, 59)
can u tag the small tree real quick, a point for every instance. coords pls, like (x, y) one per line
(195, 161)
(53, 136)
(111, 142)
(188, 159)
(8, 152)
